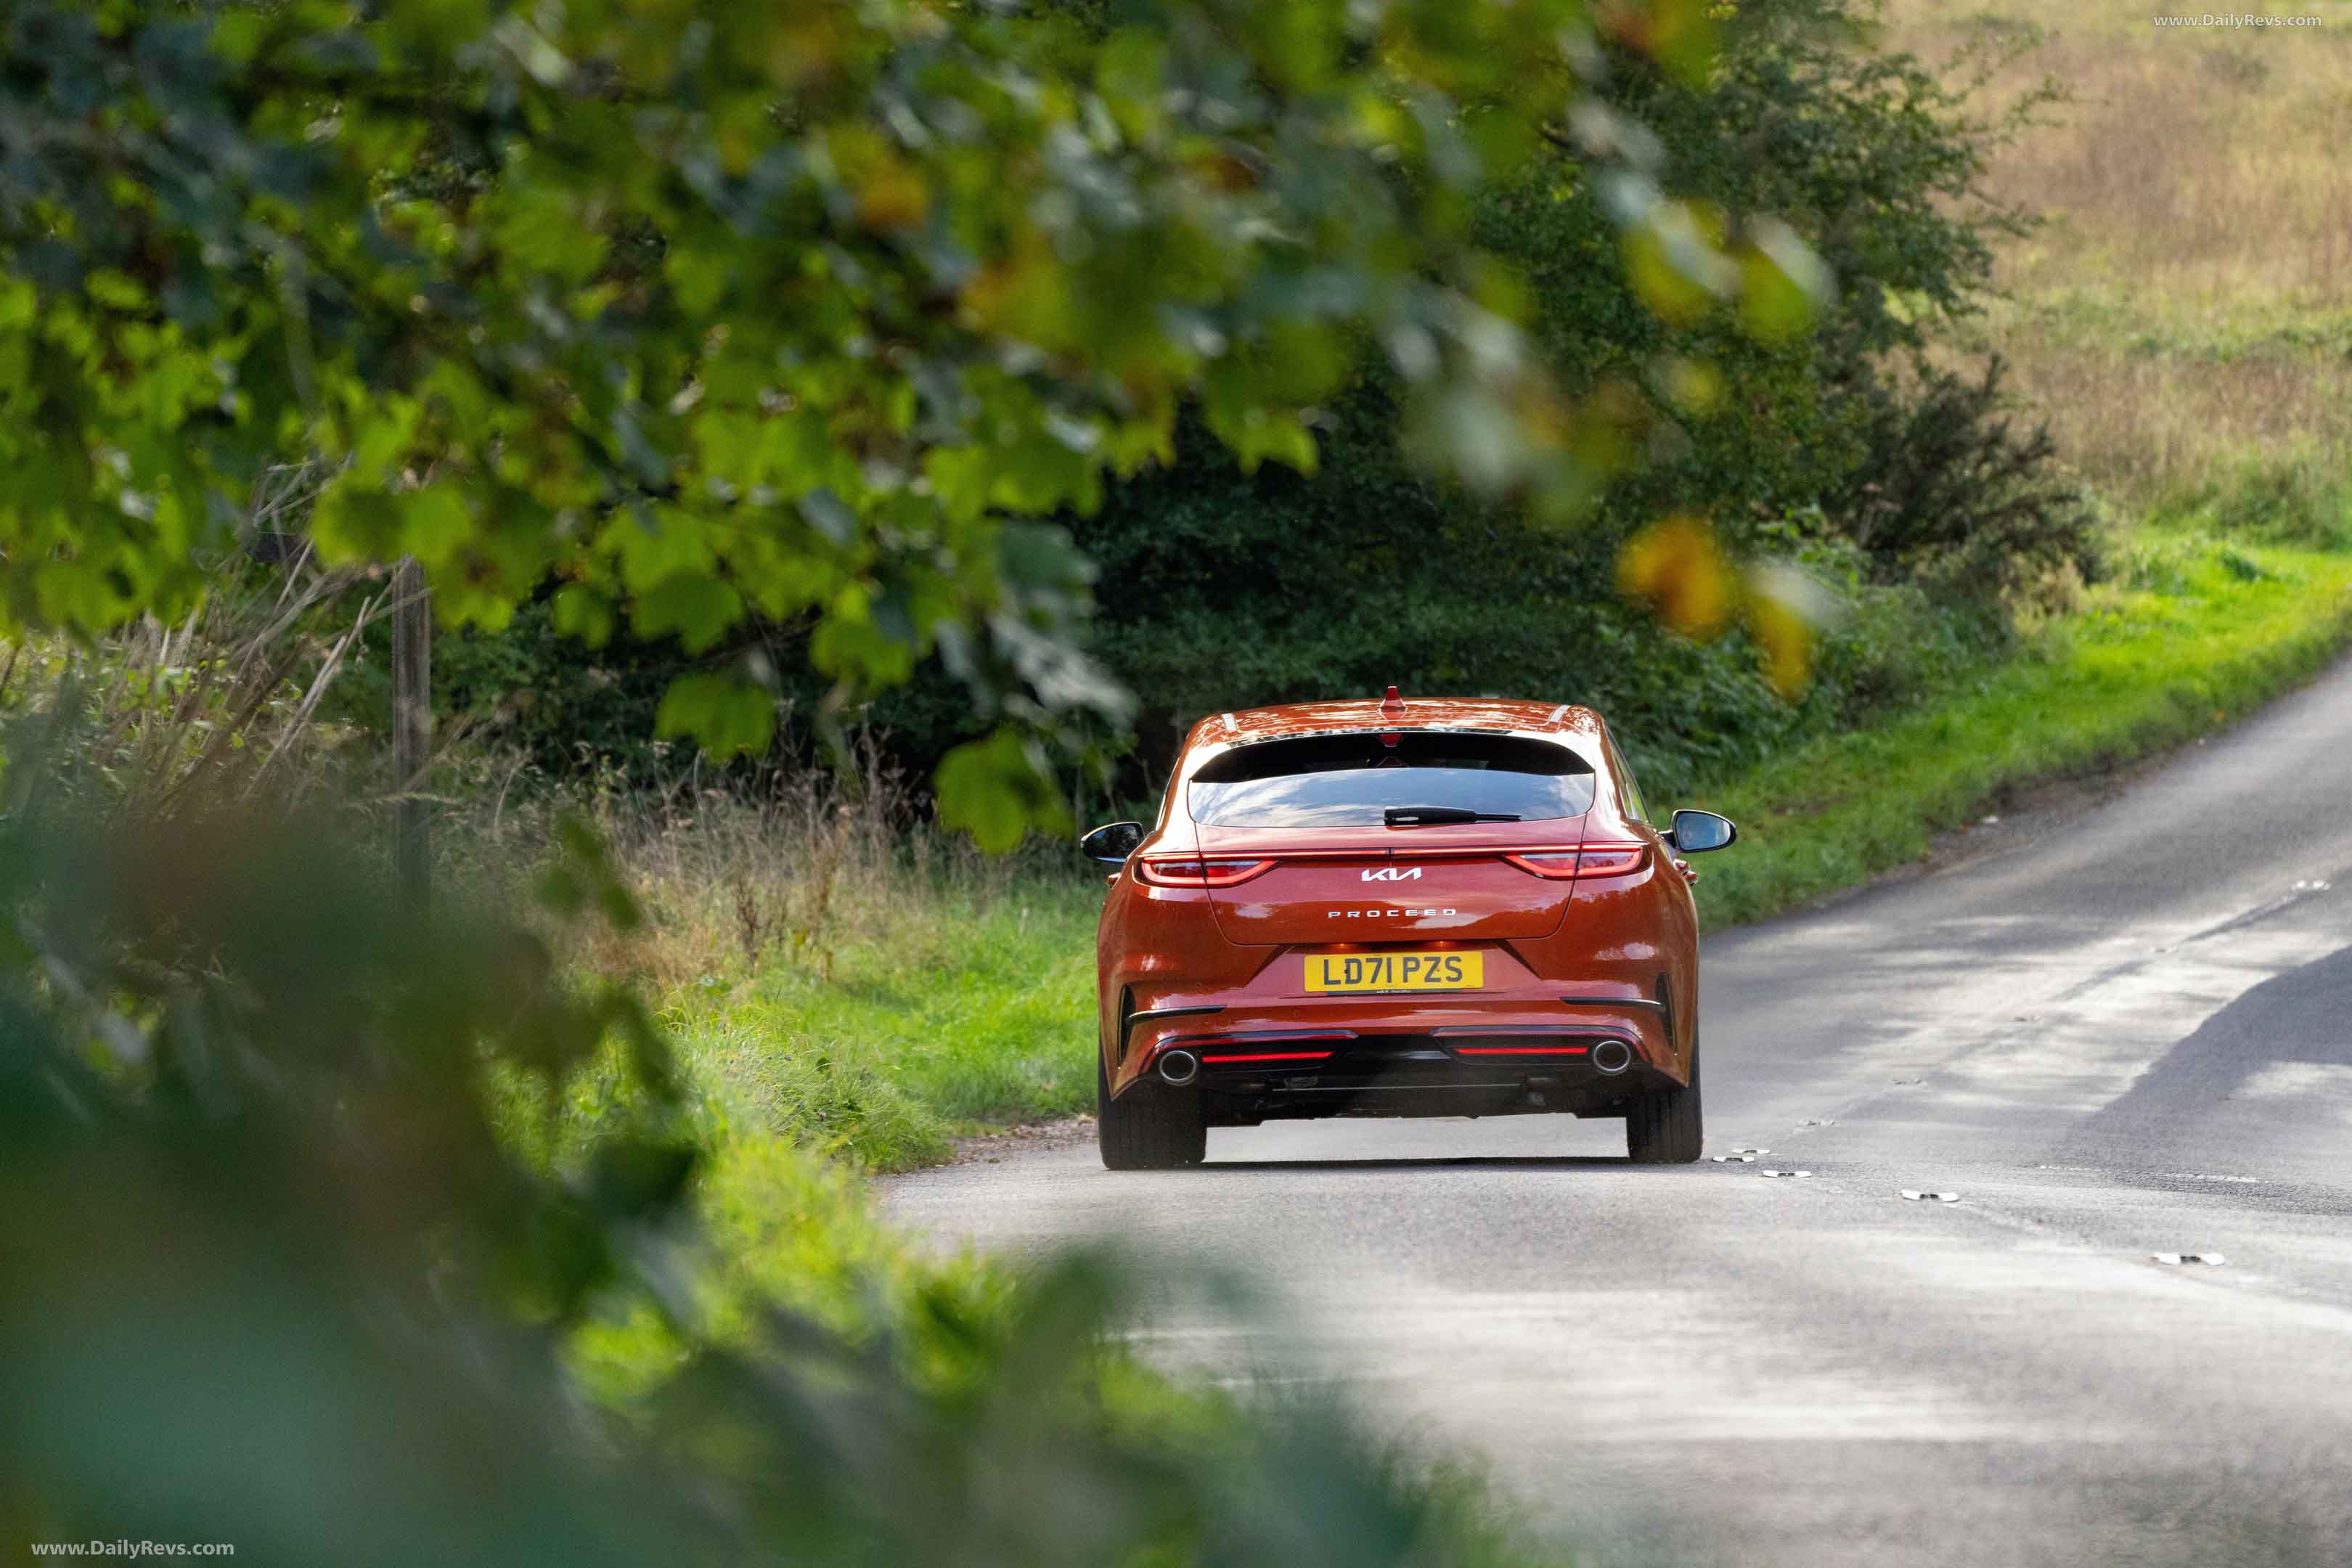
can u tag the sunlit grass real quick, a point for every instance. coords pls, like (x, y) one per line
(942, 1013)
(2197, 633)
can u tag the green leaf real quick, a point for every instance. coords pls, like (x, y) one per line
(996, 788)
(699, 610)
(725, 715)
(581, 611)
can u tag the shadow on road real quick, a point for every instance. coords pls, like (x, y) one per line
(1439, 1162)
(2266, 1080)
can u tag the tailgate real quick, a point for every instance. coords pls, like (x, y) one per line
(1391, 884)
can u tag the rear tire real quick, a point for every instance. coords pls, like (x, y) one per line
(1663, 1127)
(1147, 1129)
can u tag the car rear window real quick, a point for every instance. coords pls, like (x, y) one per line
(1350, 781)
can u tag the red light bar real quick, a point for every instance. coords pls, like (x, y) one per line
(1269, 1056)
(1253, 1038)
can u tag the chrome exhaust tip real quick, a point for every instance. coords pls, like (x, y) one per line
(1179, 1067)
(1611, 1058)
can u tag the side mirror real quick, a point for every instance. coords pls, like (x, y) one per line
(1697, 832)
(1112, 843)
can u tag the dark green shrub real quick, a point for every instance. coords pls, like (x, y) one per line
(1954, 491)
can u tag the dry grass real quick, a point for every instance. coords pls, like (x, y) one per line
(224, 706)
(2185, 308)
(786, 874)
(831, 968)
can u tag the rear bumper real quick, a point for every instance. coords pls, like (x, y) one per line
(1415, 1075)
(1432, 1054)
(1538, 1010)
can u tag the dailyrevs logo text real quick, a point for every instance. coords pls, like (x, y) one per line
(1393, 874)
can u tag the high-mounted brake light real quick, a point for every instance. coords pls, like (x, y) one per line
(1391, 710)
(1198, 872)
(1592, 860)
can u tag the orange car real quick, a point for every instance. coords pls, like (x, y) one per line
(1427, 907)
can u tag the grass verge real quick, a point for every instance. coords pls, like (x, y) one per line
(2198, 632)
(944, 1013)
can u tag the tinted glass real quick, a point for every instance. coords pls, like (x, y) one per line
(1698, 830)
(1635, 806)
(1349, 781)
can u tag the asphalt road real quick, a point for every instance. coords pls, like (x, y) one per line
(2113, 1030)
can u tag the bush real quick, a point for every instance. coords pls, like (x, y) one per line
(1221, 589)
(1953, 493)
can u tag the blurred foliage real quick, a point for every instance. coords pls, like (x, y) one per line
(796, 312)
(314, 1246)
(1915, 505)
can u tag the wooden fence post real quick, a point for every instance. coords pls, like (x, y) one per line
(412, 727)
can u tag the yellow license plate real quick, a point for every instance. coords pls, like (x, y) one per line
(1395, 971)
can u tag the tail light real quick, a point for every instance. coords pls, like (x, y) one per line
(1198, 872)
(1592, 860)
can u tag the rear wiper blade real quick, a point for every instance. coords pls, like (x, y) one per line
(1430, 815)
